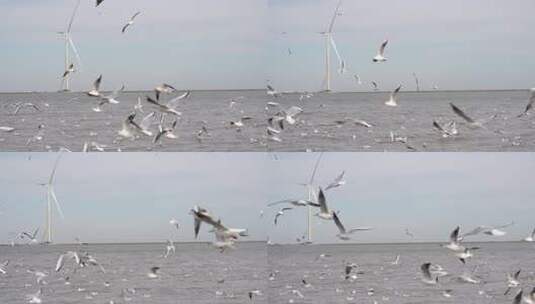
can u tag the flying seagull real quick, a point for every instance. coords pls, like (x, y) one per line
(96, 87)
(175, 223)
(531, 237)
(512, 281)
(130, 22)
(392, 101)
(344, 234)
(530, 103)
(338, 181)
(169, 248)
(324, 213)
(131, 128)
(170, 106)
(21, 105)
(163, 88)
(427, 277)
(471, 122)
(280, 213)
(380, 57)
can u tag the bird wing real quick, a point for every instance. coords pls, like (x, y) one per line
(60, 262)
(292, 111)
(323, 202)
(134, 16)
(460, 113)
(383, 46)
(174, 102)
(339, 223)
(147, 120)
(96, 84)
(454, 236)
(125, 27)
(396, 91)
(438, 127)
(425, 270)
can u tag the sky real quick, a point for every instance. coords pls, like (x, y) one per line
(237, 44)
(116, 197)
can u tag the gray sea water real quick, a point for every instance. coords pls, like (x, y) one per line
(198, 273)
(69, 121)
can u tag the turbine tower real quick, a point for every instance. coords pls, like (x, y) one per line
(51, 197)
(313, 197)
(69, 45)
(329, 42)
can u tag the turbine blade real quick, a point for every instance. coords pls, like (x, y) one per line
(315, 169)
(73, 47)
(335, 49)
(55, 199)
(72, 16)
(53, 174)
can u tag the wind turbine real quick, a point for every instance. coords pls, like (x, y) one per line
(313, 197)
(69, 45)
(329, 42)
(51, 197)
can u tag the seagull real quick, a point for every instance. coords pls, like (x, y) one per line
(39, 275)
(346, 235)
(6, 129)
(295, 202)
(338, 181)
(175, 223)
(427, 278)
(466, 254)
(272, 92)
(131, 128)
(68, 255)
(471, 122)
(167, 132)
(202, 215)
(3, 267)
(396, 260)
(357, 79)
(287, 115)
(222, 241)
(241, 122)
(512, 281)
(130, 22)
(69, 70)
(170, 247)
(163, 88)
(273, 134)
(408, 233)
(108, 99)
(530, 103)
(171, 105)
(153, 274)
(324, 213)
(380, 56)
(447, 130)
(139, 105)
(469, 277)
(362, 123)
(392, 101)
(99, 2)
(375, 86)
(96, 87)
(347, 270)
(455, 244)
(530, 299)
(36, 297)
(280, 213)
(255, 292)
(21, 105)
(31, 237)
(531, 237)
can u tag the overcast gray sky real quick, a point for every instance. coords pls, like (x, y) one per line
(225, 44)
(116, 197)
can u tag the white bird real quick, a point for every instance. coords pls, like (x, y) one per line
(324, 213)
(454, 244)
(108, 99)
(474, 124)
(512, 281)
(170, 106)
(31, 237)
(174, 223)
(240, 122)
(202, 215)
(130, 22)
(530, 103)
(375, 86)
(408, 233)
(36, 297)
(22, 105)
(168, 132)
(163, 88)
(531, 237)
(448, 129)
(131, 128)
(169, 248)
(357, 79)
(255, 292)
(338, 181)
(295, 202)
(223, 241)
(380, 57)
(344, 234)
(396, 260)
(69, 70)
(272, 92)
(6, 129)
(392, 101)
(470, 277)
(95, 91)
(3, 267)
(40, 276)
(153, 273)
(466, 254)
(68, 255)
(280, 213)
(427, 277)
